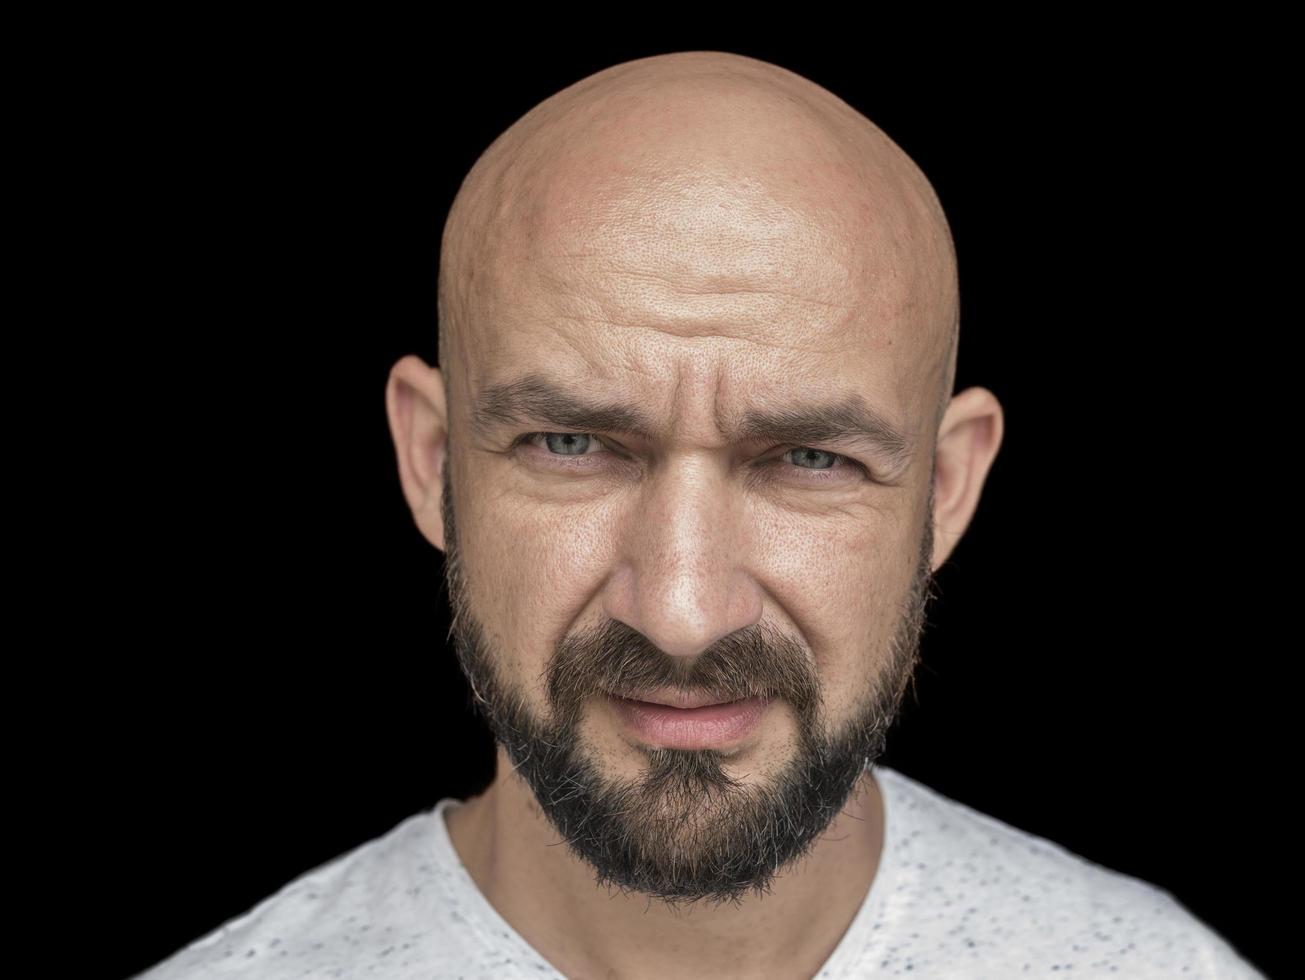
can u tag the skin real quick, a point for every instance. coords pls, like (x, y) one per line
(696, 233)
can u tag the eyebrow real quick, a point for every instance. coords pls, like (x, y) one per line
(535, 398)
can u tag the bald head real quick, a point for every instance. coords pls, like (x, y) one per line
(725, 171)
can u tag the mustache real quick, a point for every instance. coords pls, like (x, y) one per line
(758, 661)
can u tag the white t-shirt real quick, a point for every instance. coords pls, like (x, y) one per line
(957, 894)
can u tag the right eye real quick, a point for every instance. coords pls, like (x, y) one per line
(563, 443)
(562, 449)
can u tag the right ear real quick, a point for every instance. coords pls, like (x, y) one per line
(417, 408)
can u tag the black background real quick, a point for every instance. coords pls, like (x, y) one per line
(1099, 668)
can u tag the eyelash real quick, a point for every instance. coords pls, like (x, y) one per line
(844, 462)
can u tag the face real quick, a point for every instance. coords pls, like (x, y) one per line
(672, 511)
(686, 828)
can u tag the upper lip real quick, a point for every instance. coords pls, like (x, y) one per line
(676, 700)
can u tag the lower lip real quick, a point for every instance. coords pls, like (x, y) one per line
(709, 727)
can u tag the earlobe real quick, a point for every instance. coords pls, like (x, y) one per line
(968, 440)
(417, 411)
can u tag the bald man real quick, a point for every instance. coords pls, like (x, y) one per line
(693, 457)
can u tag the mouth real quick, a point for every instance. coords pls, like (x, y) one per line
(674, 699)
(694, 722)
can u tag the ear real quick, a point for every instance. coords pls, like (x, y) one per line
(968, 439)
(417, 408)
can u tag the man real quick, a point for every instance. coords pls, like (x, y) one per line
(693, 457)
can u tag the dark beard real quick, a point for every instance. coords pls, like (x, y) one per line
(686, 830)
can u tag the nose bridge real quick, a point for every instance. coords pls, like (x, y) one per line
(685, 582)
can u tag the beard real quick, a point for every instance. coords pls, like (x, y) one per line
(685, 830)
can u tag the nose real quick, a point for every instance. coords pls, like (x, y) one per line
(684, 579)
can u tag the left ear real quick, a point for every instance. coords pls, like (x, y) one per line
(968, 440)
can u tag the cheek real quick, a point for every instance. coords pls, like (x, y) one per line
(859, 656)
(846, 593)
(530, 571)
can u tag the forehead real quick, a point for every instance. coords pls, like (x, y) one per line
(718, 310)
(756, 272)
(685, 247)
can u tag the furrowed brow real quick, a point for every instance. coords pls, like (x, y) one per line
(535, 398)
(850, 422)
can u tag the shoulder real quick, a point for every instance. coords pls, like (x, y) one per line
(371, 904)
(1030, 899)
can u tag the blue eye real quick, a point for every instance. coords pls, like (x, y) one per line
(839, 463)
(806, 452)
(560, 444)
(567, 442)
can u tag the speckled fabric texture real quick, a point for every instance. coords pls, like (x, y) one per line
(958, 894)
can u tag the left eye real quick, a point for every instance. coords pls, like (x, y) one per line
(837, 462)
(559, 445)
(806, 453)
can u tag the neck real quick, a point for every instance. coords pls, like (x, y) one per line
(548, 895)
